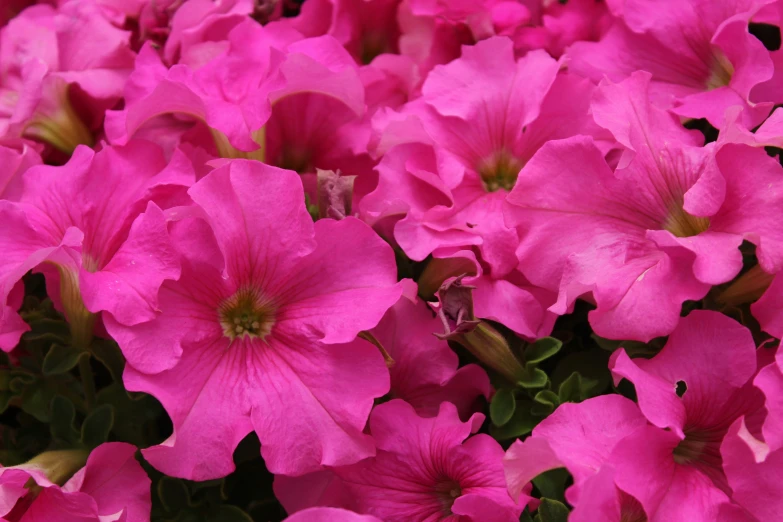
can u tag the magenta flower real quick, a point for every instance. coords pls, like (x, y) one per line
(700, 54)
(101, 249)
(661, 229)
(272, 304)
(430, 469)
(424, 372)
(664, 458)
(111, 486)
(266, 95)
(59, 71)
(691, 392)
(425, 470)
(581, 438)
(328, 514)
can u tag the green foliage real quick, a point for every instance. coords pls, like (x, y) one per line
(551, 511)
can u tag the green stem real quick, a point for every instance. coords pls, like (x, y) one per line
(88, 381)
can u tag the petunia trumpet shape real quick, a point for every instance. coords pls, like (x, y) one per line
(259, 332)
(96, 230)
(425, 470)
(661, 229)
(701, 55)
(580, 437)
(662, 458)
(111, 486)
(59, 71)
(269, 95)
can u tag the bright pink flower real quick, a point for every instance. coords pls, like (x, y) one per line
(271, 303)
(579, 437)
(16, 156)
(366, 28)
(101, 249)
(424, 372)
(485, 124)
(11, 8)
(269, 95)
(701, 56)
(753, 464)
(691, 392)
(328, 514)
(425, 470)
(59, 72)
(111, 486)
(662, 458)
(660, 230)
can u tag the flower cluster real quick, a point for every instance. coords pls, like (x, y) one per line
(391, 260)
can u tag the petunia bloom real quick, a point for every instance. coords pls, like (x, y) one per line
(100, 248)
(111, 486)
(259, 332)
(661, 229)
(663, 459)
(425, 469)
(59, 71)
(701, 56)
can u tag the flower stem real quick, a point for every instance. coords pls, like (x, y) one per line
(88, 381)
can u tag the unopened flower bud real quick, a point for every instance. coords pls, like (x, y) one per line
(480, 338)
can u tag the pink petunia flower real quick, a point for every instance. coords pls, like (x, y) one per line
(664, 458)
(111, 486)
(100, 248)
(328, 514)
(59, 71)
(691, 392)
(661, 229)
(701, 56)
(259, 332)
(425, 470)
(581, 438)
(424, 372)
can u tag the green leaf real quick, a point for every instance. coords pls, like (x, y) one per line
(502, 406)
(97, 426)
(61, 359)
(542, 349)
(521, 423)
(133, 415)
(594, 376)
(63, 414)
(545, 402)
(552, 511)
(173, 494)
(109, 354)
(551, 484)
(526, 517)
(229, 514)
(536, 378)
(46, 329)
